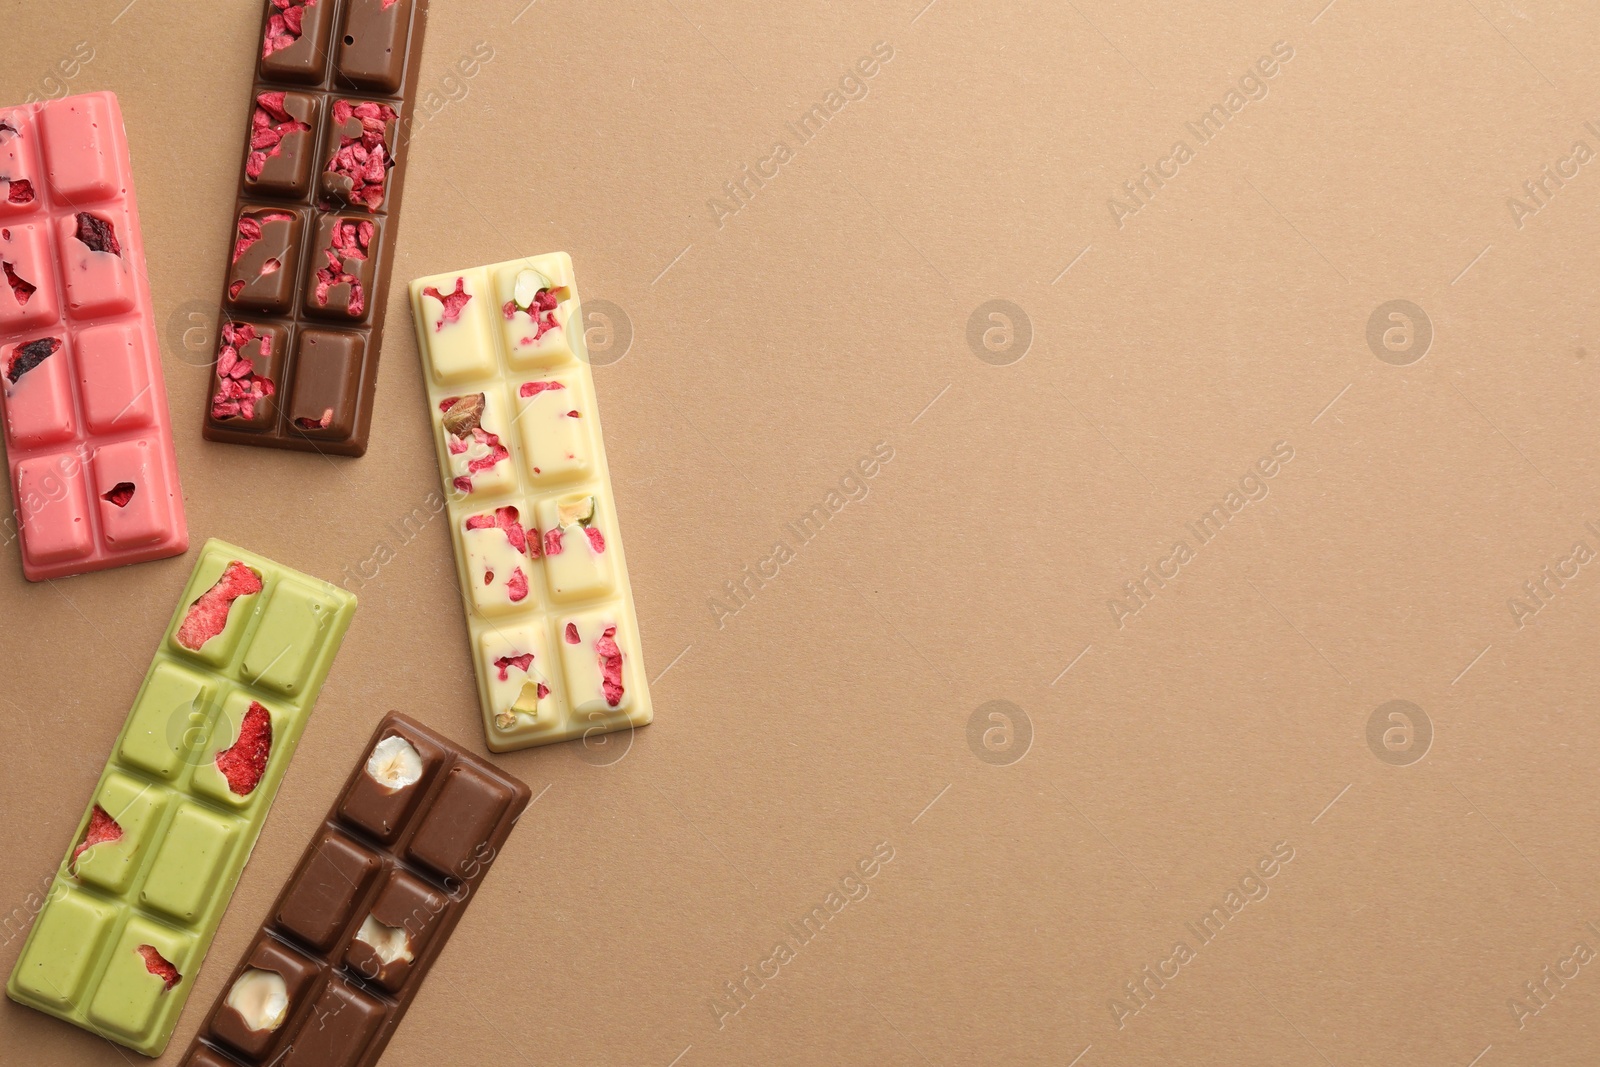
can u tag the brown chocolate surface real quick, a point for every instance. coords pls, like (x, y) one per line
(440, 834)
(313, 241)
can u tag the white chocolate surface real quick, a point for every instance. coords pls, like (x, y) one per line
(521, 599)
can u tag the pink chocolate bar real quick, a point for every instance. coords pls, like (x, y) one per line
(88, 439)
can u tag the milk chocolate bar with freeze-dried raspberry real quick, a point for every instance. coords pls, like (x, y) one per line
(309, 255)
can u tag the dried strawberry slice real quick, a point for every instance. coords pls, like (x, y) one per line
(208, 616)
(120, 494)
(102, 829)
(98, 234)
(245, 761)
(158, 965)
(21, 288)
(30, 355)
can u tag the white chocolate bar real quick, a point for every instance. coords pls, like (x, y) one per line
(544, 582)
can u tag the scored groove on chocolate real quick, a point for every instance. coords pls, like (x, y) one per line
(312, 244)
(370, 906)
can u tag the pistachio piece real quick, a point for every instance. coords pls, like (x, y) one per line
(529, 284)
(465, 415)
(527, 701)
(579, 510)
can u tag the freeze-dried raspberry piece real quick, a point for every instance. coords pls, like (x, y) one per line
(462, 420)
(269, 125)
(98, 234)
(317, 424)
(285, 27)
(21, 288)
(597, 540)
(572, 633)
(157, 964)
(521, 663)
(497, 452)
(506, 519)
(120, 494)
(245, 761)
(250, 232)
(552, 542)
(209, 615)
(541, 311)
(610, 666)
(30, 355)
(239, 388)
(21, 191)
(535, 388)
(517, 585)
(350, 240)
(453, 302)
(364, 158)
(102, 829)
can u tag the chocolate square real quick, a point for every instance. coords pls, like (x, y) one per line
(357, 131)
(231, 1028)
(370, 52)
(332, 880)
(404, 903)
(278, 163)
(338, 280)
(267, 354)
(453, 837)
(327, 383)
(294, 41)
(266, 260)
(338, 1028)
(380, 811)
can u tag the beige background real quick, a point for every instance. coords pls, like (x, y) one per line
(832, 712)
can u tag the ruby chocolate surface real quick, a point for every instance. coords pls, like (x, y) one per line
(88, 438)
(313, 229)
(383, 883)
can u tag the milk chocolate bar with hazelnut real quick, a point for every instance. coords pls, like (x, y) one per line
(309, 254)
(133, 905)
(383, 883)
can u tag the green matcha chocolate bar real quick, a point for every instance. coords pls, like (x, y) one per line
(138, 896)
